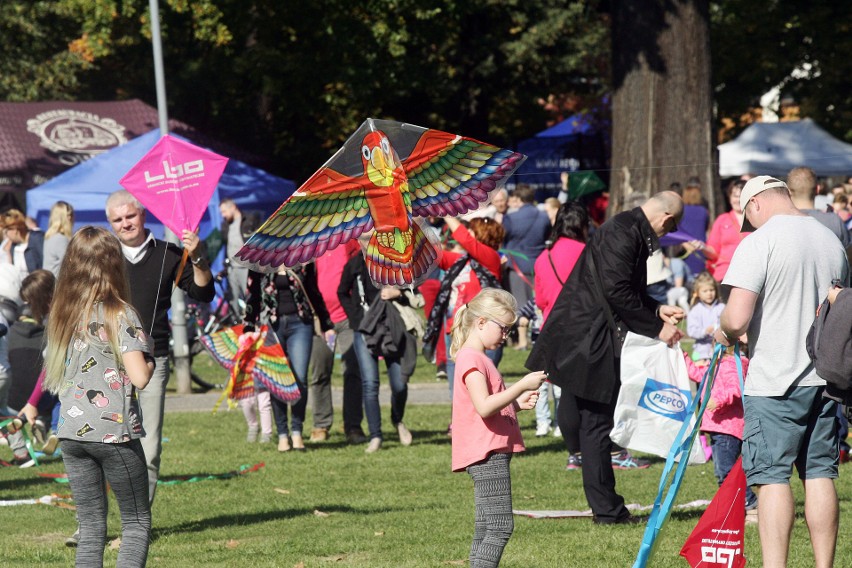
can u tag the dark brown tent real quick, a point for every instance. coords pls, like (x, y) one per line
(40, 140)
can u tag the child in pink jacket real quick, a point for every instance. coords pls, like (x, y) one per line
(723, 418)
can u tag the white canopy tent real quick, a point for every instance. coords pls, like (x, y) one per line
(774, 148)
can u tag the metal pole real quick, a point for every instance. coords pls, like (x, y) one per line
(180, 348)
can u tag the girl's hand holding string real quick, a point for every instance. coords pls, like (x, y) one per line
(527, 401)
(487, 404)
(534, 380)
(529, 384)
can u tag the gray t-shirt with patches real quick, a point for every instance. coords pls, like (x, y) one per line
(97, 399)
(789, 262)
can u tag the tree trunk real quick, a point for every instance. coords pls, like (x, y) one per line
(662, 101)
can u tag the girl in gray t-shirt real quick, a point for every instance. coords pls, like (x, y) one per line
(97, 356)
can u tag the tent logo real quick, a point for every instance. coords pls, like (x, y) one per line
(80, 134)
(665, 400)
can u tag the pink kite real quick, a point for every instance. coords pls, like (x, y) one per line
(175, 181)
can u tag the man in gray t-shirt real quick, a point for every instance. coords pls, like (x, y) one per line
(778, 276)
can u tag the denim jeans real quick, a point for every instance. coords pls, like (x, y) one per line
(496, 355)
(369, 366)
(726, 450)
(542, 407)
(297, 338)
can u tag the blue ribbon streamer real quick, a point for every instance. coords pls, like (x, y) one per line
(680, 450)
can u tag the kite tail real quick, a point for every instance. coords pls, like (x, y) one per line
(385, 270)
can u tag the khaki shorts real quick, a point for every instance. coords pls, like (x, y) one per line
(799, 428)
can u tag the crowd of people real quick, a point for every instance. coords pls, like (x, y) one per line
(511, 275)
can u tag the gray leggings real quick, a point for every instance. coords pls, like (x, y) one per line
(90, 465)
(492, 495)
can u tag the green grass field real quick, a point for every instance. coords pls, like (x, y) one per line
(336, 506)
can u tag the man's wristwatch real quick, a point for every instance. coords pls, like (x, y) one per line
(197, 261)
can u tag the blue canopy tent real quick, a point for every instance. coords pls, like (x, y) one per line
(578, 143)
(87, 185)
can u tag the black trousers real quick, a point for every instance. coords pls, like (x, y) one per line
(568, 418)
(596, 422)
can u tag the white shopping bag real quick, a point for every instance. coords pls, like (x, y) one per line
(654, 397)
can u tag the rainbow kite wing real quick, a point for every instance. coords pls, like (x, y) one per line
(451, 175)
(222, 346)
(267, 365)
(272, 370)
(328, 210)
(385, 174)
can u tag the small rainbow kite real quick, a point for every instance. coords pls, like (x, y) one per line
(249, 357)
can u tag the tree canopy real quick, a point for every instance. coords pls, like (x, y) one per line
(289, 81)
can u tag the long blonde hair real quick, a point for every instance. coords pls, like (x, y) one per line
(61, 220)
(491, 304)
(92, 272)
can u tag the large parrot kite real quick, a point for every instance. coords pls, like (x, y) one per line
(385, 174)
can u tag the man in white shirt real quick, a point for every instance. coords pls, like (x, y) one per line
(778, 276)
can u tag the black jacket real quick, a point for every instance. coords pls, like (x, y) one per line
(575, 346)
(26, 343)
(829, 345)
(349, 292)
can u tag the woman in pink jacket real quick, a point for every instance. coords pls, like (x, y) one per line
(555, 263)
(725, 234)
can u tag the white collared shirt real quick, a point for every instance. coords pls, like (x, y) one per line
(135, 254)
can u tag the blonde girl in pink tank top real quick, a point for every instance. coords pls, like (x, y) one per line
(485, 426)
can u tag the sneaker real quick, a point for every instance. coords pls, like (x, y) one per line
(751, 516)
(404, 434)
(542, 429)
(24, 462)
(623, 460)
(375, 445)
(39, 432)
(319, 435)
(74, 539)
(265, 438)
(557, 433)
(298, 443)
(575, 461)
(50, 445)
(14, 425)
(628, 520)
(251, 437)
(356, 436)
(441, 376)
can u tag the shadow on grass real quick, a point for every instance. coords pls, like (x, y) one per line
(686, 515)
(552, 445)
(10, 484)
(432, 437)
(241, 519)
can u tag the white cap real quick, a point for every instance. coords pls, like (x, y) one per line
(752, 187)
